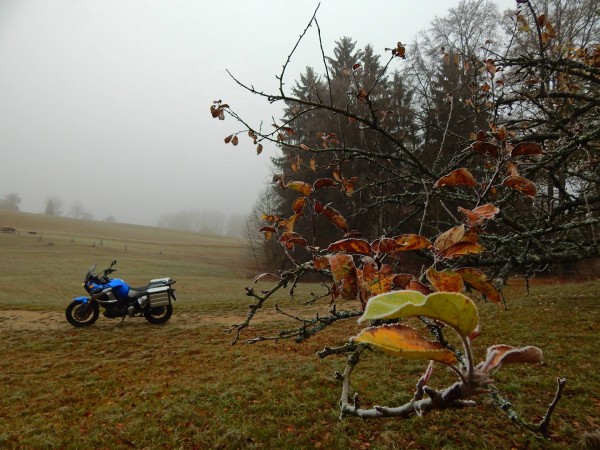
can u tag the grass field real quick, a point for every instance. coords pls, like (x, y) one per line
(181, 385)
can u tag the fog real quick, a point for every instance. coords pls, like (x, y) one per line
(105, 103)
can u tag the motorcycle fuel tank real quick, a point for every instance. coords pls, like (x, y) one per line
(119, 287)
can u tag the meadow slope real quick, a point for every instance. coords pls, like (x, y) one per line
(182, 385)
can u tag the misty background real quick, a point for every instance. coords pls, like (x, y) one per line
(104, 105)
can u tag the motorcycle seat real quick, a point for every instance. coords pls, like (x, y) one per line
(137, 291)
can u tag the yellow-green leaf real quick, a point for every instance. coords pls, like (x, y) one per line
(300, 186)
(452, 308)
(400, 340)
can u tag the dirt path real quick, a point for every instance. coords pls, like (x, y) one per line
(18, 319)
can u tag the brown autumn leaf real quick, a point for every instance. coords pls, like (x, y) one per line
(324, 182)
(415, 285)
(300, 186)
(550, 30)
(313, 164)
(461, 249)
(449, 238)
(288, 224)
(497, 355)
(269, 217)
(319, 207)
(541, 20)
(289, 237)
(337, 174)
(298, 205)
(259, 149)
(445, 280)
(235, 140)
(228, 139)
(352, 245)
(521, 184)
(485, 148)
(268, 232)
(320, 262)
(378, 279)
(345, 276)
(406, 242)
(356, 66)
(336, 218)
(349, 185)
(458, 177)
(401, 280)
(475, 216)
(481, 136)
(304, 147)
(480, 282)
(490, 67)
(386, 245)
(362, 96)
(527, 149)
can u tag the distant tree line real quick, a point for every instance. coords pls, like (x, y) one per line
(205, 221)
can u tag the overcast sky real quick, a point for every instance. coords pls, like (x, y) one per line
(106, 102)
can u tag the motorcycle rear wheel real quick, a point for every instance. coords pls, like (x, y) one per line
(158, 314)
(82, 315)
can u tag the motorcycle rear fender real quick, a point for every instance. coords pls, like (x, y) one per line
(83, 300)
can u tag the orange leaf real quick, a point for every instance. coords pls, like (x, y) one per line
(479, 281)
(320, 262)
(458, 177)
(475, 216)
(449, 238)
(358, 246)
(336, 218)
(462, 249)
(384, 245)
(349, 185)
(445, 281)
(313, 164)
(337, 174)
(344, 275)
(521, 184)
(406, 242)
(298, 205)
(287, 224)
(304, 147)
(300, 186)
(527, 149)
(269, 217)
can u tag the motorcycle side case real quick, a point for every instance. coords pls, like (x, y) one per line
(159, 296)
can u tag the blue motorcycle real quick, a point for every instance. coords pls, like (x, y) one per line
(118, 299)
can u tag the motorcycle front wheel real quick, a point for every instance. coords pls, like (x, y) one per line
(82, 314)
(158, 314)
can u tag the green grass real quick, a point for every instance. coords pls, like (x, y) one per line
(181, 385)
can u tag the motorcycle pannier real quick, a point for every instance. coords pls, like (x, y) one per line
(158, 296)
